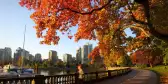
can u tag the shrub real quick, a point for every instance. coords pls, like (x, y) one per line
(141, 65)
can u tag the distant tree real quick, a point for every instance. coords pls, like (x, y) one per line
(60, 64)
(94, 55)
(156, 54)
(165, 58)
(164, 47)
(128, 60)
(45, 64)
(96, 58)
(51, 63)
(122, 61)
(157, 47)
(147, 56)
(20, 61)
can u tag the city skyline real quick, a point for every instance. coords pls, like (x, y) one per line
(47, 56)
(13, 21)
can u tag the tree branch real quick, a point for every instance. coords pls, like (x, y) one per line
(140, 28)
(152, 29)
(145, 3)
(89, 12)
(131, 26)
(136, 27)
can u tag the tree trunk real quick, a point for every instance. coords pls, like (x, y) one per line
(150, 64)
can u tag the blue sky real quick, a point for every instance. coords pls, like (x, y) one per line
(13, 19)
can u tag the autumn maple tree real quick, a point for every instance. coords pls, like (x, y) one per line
(102, 20)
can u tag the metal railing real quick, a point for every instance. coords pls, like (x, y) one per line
(66, 79)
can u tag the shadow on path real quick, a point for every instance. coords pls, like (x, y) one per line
(136, 76)
(119, 79)
(143, 77)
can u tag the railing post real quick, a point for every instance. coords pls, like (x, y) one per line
(97, 77)
(39, 79)
(116, 72)
(127, 70)
(122, 72)
(109, 73)
(119, 72)
(76, 78)
(4, 82)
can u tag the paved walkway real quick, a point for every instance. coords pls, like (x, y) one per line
(134, 77)
(143, 77)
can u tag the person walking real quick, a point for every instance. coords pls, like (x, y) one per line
(80, 72)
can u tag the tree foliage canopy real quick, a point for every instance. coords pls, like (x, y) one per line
(102, 20)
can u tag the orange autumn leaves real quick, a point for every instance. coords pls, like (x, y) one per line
(54, 16)
(139, 14)
(51, 16)
(89, 23)
(95, 53)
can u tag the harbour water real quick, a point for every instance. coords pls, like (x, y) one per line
(47, 72)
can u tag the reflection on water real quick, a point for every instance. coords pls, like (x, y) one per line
(47, 72)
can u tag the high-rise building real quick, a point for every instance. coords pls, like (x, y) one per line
(17, 55)
(67, 58)
(2, 56)
(78, 55)
(31, 57)
(90, 48)
(8, 55)
(52, 56)
(25, 54)
(38, 57)
(84, 54)
(20, 54)
(74, 60)
(87, 48)
(5, 56)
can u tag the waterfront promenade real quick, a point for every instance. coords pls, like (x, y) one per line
(136, 76)
(88, 78)
(117, 76)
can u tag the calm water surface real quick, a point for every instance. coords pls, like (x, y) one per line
(47, 72)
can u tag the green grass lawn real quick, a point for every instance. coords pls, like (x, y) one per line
(160, 70)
